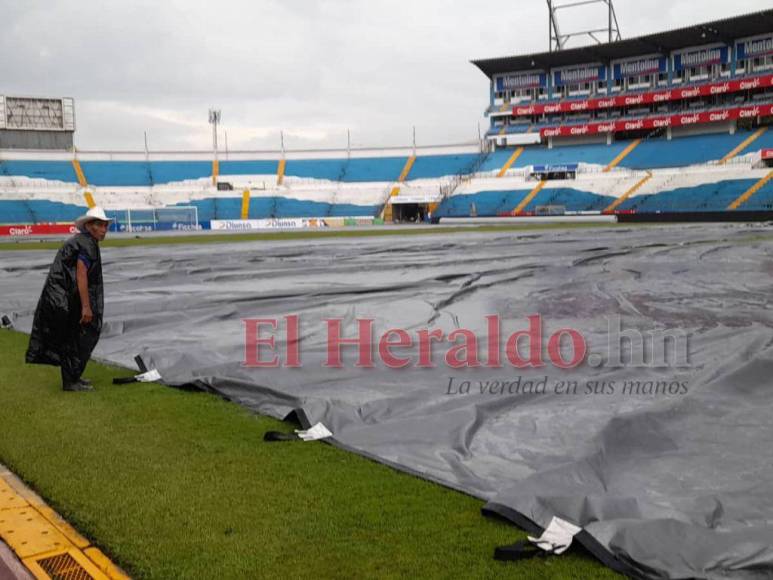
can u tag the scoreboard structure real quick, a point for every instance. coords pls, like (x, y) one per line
(36, 123)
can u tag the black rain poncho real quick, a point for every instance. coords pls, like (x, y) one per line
(57, 336)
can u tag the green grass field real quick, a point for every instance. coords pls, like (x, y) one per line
(175, 484)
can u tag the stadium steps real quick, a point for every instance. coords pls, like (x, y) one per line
(528, 199)
(623, 198)
(76, 165)
(509, 163)
(245, 204)
(623, 154)
(387, 214)
(743, 146)
(407, 169)
(215, 171)
(750, 192)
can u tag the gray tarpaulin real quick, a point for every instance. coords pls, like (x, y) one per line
(668, 468)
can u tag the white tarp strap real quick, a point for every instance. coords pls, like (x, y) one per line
(316, 433)
(149, 377)
(557, 537)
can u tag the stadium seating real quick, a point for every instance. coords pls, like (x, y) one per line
(50, 170)
(711, 197)
(258, 167)
(660, 153)
(436, 166)
(277, 207)
(362, 170)
(37, 191)
(37, 211)
(570, 199)
(327, 169)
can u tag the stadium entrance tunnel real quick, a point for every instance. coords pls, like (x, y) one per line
(657, 483)
(410, 212)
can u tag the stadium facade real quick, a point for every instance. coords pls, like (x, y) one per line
(667, 126)
(713, 76)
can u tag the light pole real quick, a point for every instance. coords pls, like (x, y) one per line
(214, 120)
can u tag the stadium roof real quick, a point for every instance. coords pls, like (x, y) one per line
(726, 31)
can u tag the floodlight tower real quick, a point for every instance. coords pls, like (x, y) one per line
(558, 41)
(214, 120)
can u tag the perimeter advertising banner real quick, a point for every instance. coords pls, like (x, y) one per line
(755, 48)
(716, 116)
(27, 230)
(707, 90)
(521, 81)
(701, 57)
(580, 75)
(22, 231)
(267, 224)
(639, 67)
(143, 228)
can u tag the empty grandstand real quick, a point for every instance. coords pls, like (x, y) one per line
(667, 126)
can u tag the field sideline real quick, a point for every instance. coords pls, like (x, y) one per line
(173, 484)
(126, 240)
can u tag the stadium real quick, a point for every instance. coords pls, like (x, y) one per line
(651, 128)
(334, 361)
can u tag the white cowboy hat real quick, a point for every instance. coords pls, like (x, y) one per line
(94, 214)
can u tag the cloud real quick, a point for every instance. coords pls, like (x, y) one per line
(310, 68)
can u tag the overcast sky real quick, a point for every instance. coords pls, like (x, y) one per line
(313, 68)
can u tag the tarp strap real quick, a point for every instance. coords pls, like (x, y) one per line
(277, 437)
(140, 364)
(523, 550)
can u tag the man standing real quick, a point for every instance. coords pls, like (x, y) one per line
(68, 319)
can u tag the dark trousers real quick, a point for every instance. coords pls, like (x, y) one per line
(76, 354)
(72, 371)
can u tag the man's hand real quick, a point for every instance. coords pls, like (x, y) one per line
(86, 315)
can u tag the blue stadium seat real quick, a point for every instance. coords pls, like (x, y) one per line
(571, 199)
(487, 203)
(117, 173)
(299, 208)
(596, 154)
(680, 152)
(257, 167)
(37, 211)
(327, 169)
(51, 170)
(276, 207)
(709, 197)
(163, 172)
(434, 166)
(374, 169)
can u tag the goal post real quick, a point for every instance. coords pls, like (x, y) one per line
(138, 220)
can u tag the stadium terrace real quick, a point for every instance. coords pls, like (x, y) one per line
(664, 69)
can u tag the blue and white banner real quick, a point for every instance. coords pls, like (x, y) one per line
(568, 168)
(268, 224)
(639, 67)
(755, 48)
(576, 76)
(702, 57)
(520, 81)
(142, 228)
